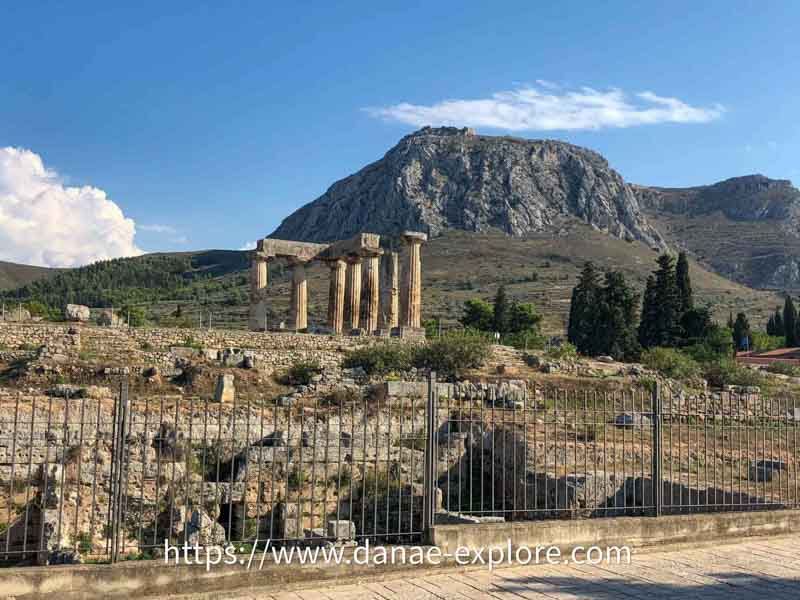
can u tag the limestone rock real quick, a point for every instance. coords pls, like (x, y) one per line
(77, 312)
(439, 178)
(225, 390)
(108, 318)
(763, 470)
(341, 530)
(196, 527)
(631, 420)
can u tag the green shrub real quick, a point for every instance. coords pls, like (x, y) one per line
(453, 353)
(763, 342)
(702, 352)
(671, 363)
(528, 340)
(727, 371)
(379, 482)
(297, 478)
(448, 355)
(84, 543)
(301, 373)
(784, 368)
(564, 350)
(135, 316)
(190, 342)
(39, 309)
(381, 359)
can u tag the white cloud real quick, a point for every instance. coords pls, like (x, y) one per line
(547, 107)
(156, 228)
(248, 246)
(175, 236)
(550, 85)
(43, 222)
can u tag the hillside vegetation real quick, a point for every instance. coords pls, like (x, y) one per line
(540, 268)
(13, 275)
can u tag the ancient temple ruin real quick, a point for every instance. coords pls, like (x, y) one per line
(372, 291)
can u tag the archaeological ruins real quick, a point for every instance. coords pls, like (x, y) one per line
(361, 301)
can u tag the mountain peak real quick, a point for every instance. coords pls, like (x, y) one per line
(429, 131)
(744, 198)
(442, 178)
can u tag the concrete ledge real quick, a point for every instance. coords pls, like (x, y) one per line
(636, 532)
(149, 579)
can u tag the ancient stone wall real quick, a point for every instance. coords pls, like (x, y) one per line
(148, 346)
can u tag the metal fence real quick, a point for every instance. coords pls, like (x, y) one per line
(584, 453)
(113, 478)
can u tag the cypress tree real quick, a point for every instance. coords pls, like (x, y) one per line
(648, 318)
(501, 310)
(790, 322)
(666, 329)
(616, 319)
(779, 328)
(581, 327)
(684, 284)
(771, 325)
(741, 332)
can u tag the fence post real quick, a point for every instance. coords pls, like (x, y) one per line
(119, 466)
(656, 475)
(429, 485)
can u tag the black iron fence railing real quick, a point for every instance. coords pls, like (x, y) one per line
(88, 476)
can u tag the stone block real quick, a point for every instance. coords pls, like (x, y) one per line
(341, 530)
(409, 333)
(225, 391)
(77, 312)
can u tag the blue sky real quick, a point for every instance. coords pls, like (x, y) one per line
(207, 125)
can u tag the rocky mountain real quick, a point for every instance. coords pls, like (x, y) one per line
(748, 198)
(449, 178)
(436, 179)
(746, 228)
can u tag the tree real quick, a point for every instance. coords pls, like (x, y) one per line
(523, 318)
(696, 324)
(649, 309)
(478, 314)
(684, 284)
(771, 325)
(777, 323)
(585, 295)
(790, 322)
(501, 310)
(135, 316)
(741, 332)
(616, 319)
(662, 315)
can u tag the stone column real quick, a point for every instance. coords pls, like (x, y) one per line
(258, 283)
(411, 289)
(352, 299)
(299, 306)
(390, 291)
(370, 292)
(336, 295)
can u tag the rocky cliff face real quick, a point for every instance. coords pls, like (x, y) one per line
(748, 198)
(745, 228)
(439, 178)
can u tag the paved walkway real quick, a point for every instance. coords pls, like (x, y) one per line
(766, 569)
